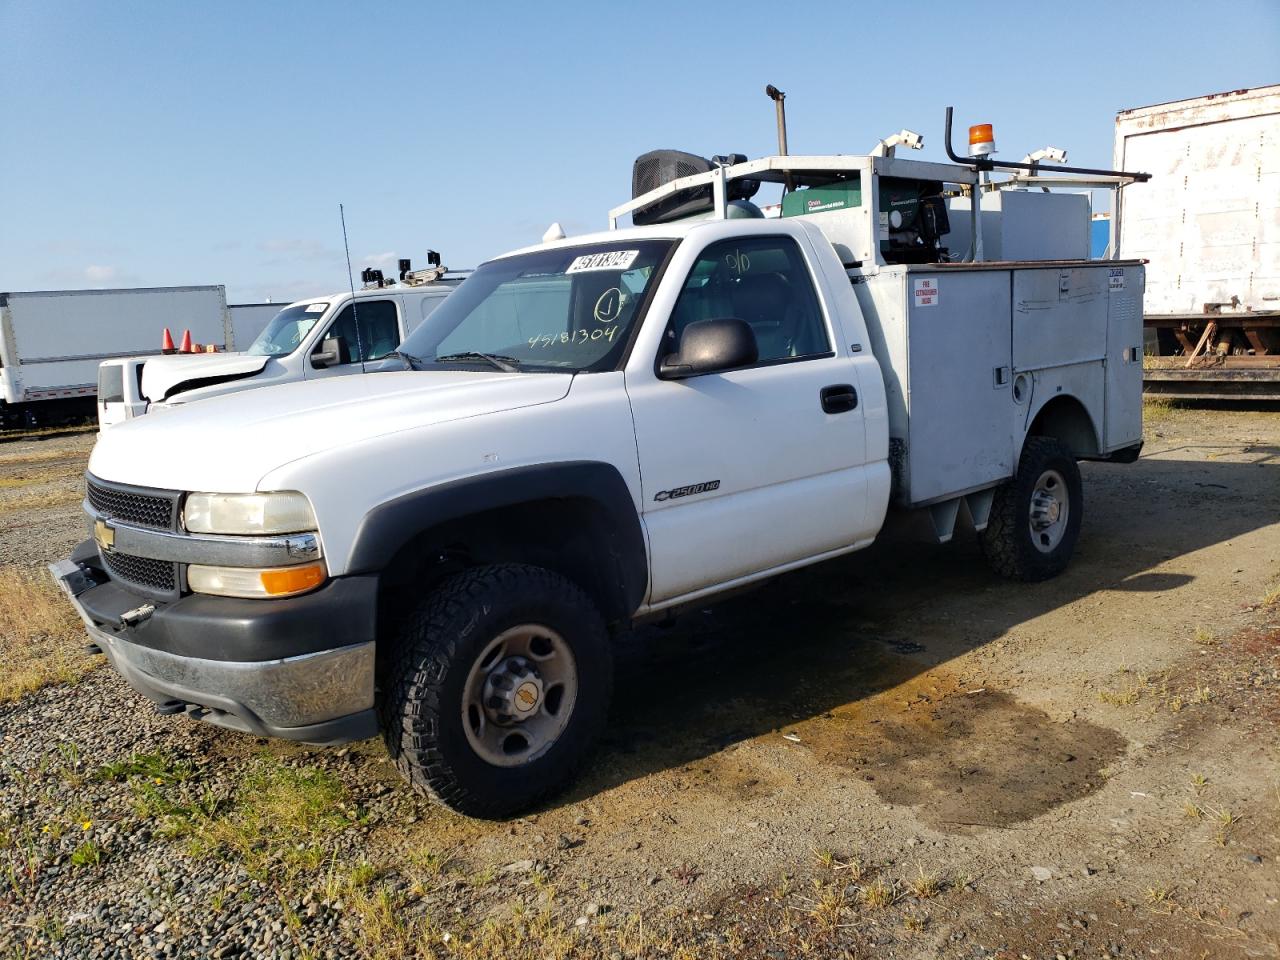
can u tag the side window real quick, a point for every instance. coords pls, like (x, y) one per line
(429, 305)
(110, 383)
(764, 281)
(379, 334)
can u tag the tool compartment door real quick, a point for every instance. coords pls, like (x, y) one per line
(959, 384)
(1059, 317)
(1122, 418)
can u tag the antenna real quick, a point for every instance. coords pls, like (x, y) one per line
(355, 316)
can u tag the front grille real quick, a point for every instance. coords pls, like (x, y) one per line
(148, 509)
(143, 507)
(157, 576)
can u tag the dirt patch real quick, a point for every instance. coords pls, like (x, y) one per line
(977, 758)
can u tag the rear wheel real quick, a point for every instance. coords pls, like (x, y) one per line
(1035, 517)
(497, 687)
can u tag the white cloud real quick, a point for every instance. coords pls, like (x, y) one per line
(96, 273)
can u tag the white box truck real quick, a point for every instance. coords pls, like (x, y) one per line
(248, 320)
(52, 341)
(596, 430)
(1209, 223)
(312, 339)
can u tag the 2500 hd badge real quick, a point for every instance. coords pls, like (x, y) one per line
(686, 491)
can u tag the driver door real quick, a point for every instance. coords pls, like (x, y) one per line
(752, 469)
(372, 342)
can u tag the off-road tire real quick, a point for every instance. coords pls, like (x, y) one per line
(1007, 540)
(424, 671)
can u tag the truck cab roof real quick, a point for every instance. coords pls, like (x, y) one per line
(444, 284)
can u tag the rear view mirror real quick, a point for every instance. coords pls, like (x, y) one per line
(711, 346)
(328, 354)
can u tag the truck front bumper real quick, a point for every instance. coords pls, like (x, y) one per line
(300, 669)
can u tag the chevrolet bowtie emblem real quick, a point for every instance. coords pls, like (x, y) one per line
(104, 534)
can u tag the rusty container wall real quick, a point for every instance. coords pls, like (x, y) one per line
(1209, 218)
(1209, 223)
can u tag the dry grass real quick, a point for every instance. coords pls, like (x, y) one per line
(1125, 696)
(40, 500)
(925, 884)
(1156, 408)
(65, 430)
(39, 456)
(1206, 638)
(41, 638)
(20, 476)
(878, 894)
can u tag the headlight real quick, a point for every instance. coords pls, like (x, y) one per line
(248, 513)
(255, 582)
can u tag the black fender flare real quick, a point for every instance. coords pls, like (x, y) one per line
(389, 528)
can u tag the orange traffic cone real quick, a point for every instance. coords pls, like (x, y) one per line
(186, 342)
(166, 342)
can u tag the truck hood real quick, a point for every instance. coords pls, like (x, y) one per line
(164, 376)
(229, 443)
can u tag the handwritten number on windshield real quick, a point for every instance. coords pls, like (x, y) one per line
(577, 338)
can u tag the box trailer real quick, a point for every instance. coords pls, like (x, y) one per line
(51, 342)
(1209, 223)
(248, 320)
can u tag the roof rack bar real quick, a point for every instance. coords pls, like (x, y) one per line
(986, 163)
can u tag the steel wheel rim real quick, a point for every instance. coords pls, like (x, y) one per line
(504, 726)
(1050, 511)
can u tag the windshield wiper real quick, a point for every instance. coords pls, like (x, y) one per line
(505, 364)
(410, 360)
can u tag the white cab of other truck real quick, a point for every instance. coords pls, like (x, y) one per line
(591, 431)
(312, 339)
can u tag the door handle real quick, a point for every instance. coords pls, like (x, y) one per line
(839, 398)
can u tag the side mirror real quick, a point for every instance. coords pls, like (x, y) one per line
(711, 346)
(328, 354)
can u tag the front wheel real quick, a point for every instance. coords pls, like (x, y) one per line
(1035, 517)
(497, 687)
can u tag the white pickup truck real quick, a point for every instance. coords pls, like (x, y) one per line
(591, 431)
(311, 339)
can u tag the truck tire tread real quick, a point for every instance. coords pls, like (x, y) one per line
(1006, 543)
(426, 654)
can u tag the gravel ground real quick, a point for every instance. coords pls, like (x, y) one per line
(890, 755)
(43, 534)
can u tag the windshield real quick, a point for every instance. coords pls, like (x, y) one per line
(286, 330)
(571, 308)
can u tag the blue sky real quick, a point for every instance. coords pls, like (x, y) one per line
(165, 143)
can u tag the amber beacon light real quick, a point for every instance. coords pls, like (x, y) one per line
(982, 140)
